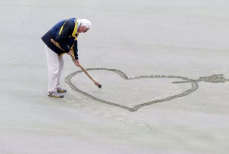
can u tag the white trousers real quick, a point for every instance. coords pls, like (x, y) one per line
(55, 67)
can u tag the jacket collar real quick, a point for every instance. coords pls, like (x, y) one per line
(75, 31)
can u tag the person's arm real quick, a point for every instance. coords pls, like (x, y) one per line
(74, 54)
(63, 36)
(75, 49)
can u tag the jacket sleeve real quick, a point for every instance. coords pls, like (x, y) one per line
(75, 49)
(63, 36)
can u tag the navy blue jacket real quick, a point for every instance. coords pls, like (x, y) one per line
(65, 33)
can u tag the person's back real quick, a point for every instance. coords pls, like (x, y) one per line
(62, 37)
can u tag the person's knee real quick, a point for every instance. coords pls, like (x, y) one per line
(55, 70)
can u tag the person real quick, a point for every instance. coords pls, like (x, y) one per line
(65, 33)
